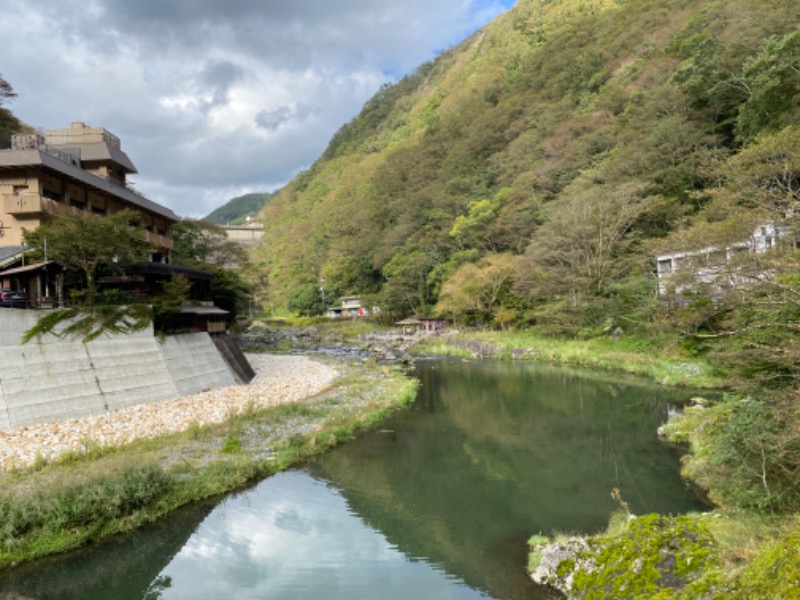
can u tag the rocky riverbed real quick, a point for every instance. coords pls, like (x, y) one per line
(280, 379)
(383, 346)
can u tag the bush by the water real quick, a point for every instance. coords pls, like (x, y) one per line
(94, 503)
(744, 451)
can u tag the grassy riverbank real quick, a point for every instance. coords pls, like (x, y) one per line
(748, 540)
(84, 497)
(662, 360)
(741, 452)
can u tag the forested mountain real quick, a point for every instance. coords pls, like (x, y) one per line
(236, 210)
(531, 173)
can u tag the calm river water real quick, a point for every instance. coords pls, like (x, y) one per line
(436, 503)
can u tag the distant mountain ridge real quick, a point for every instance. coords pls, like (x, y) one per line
(236, 210)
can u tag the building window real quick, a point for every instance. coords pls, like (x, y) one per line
(664, 266)
(52, 195)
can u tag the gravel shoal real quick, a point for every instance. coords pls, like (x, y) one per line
(280, 379)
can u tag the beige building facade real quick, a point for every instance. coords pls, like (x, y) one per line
(63, 171)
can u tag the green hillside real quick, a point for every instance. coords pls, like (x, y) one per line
(236, 210)
(531, 174)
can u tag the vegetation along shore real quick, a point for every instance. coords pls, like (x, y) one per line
(297, 410)
(741, 456)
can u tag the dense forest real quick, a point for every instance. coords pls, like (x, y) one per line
(530, 175)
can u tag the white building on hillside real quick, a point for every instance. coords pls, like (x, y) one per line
(711, 265)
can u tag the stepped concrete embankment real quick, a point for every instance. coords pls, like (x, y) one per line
(279, 380)
(49, 379)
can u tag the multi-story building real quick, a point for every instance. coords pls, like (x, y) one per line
(66, 171)
(60, 171)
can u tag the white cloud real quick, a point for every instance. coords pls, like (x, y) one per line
(292, 536)
(211, 98)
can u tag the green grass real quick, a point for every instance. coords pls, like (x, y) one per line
(83, 497)
(663, 361)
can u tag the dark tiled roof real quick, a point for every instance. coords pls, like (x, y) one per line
(38, 158)
(10, 251)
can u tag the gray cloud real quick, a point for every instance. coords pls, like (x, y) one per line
(216, 98)
(272, 120)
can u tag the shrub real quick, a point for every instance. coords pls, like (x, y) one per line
(745, 451)
(94, 503)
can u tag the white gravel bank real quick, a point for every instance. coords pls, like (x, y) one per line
(279, 379)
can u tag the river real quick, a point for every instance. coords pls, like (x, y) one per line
(437, 502)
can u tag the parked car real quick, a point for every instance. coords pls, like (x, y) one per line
(13, 298)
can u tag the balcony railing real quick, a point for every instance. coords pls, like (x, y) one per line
(160, 241)
(31, 203)
(25, 203)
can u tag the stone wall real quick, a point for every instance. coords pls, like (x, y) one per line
(50, 379)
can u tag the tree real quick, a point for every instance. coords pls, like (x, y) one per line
(9, 124)
(306, 300)
(478, 228)
(86, 242)
(478, 289)
(766, 174)
(709, 83)
(169, 303)
(231, 292)
(581, 248)
(201, 243)
(773, 79)
(204, 245)
(6, 91)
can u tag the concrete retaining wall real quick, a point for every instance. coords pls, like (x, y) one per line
(195, 364)
(131, 372)
(47, 383)
(51, 380)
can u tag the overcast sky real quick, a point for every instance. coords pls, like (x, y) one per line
(216, 98)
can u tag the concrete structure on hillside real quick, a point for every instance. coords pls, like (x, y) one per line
(52, 379)
(248, 235)
(713, 267)
(70, 170)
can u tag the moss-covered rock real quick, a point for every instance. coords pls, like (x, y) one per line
(555, 563)
(651, 557)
